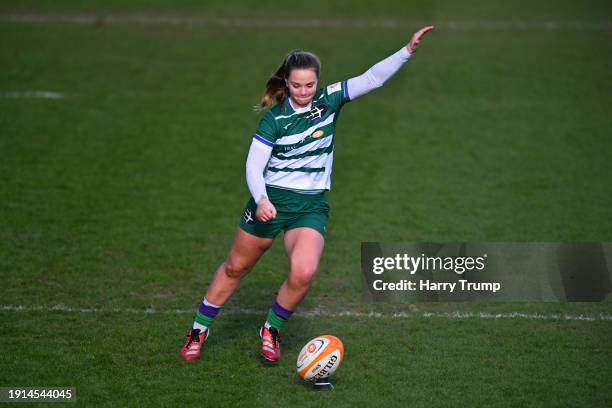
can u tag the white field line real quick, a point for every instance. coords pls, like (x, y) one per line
(272, 23)
(32, 94)
(316, 313)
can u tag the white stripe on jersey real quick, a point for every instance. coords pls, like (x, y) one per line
(291, 139)
(298, 180)
(315, 144)
(304, 162)
(287, 116)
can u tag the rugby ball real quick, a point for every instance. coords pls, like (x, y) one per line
(320, 357)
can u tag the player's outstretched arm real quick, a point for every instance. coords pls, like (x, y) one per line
(378, 74)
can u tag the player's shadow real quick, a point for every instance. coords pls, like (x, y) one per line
(309, 385)
(242, 332)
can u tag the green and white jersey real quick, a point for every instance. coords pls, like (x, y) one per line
(302, 141)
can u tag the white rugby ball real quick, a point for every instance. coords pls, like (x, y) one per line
(320, 357)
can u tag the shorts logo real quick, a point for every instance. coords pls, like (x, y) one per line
(248, 216)
(317, 134)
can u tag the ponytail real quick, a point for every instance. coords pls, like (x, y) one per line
(276, 88)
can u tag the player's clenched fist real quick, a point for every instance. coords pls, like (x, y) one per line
(265, 210)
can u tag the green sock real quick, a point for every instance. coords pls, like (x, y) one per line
(206, 313)
(203, 319)
(274, 320)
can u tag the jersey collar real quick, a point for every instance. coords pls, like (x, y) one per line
(298, 110)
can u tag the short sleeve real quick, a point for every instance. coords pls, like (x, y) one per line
(337, 94)
(267, 131)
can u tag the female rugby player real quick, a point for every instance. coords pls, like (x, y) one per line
(288, 170)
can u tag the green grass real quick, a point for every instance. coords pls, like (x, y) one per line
(126, 194)
(115, 359)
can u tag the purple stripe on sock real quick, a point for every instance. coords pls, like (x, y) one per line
(209, 311)
(281, 311)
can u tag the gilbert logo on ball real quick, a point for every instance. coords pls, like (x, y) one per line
(320, 357)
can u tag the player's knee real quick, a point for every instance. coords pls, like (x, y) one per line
(301, 275)
(235, 270)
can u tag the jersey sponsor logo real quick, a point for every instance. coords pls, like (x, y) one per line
(286, 126)
(317, 112)
(318, 134)
(248, 216)
(334, 88)
(285, 149)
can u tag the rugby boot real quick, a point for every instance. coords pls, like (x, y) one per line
(270, 343)
(193, 345)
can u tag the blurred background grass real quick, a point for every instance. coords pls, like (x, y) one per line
(136, 177)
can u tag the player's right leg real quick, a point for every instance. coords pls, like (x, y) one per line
(244, 254)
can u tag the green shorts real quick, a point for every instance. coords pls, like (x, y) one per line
(293, 210)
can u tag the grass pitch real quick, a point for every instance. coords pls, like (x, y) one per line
(125, 194)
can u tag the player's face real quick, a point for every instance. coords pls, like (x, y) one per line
(302, 84)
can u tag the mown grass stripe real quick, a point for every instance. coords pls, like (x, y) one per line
(329, 23)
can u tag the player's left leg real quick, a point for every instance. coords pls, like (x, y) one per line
(304, 247)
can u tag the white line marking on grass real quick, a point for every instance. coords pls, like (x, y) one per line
(32, 94)
(263, 22)
(516, 315)
(318, 313)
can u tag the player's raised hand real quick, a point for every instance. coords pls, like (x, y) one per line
(416, 38)
(265, 210)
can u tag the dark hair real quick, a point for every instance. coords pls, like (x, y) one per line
(276, 88)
